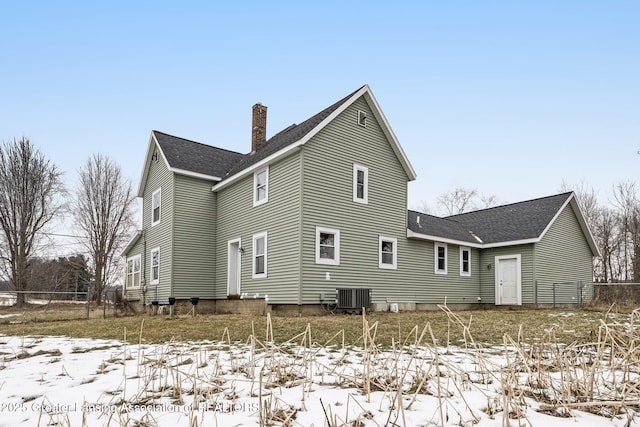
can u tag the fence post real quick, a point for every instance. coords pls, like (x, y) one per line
(88, 302)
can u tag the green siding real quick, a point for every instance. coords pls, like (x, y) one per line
(279, 218)
(488, 274)
(136, 249)
(193, 238)
(563, 255)
(425, 286)
(328, 202)
(159, 235)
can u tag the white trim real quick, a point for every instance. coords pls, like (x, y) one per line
(357, 168)
(271, 159)
(157, 279)
(194, 174)
(264, 200)
(377, 112)
(413, 235)
(336, 246)
(153, 196)
(131, 242)
(394, 263)
(238, 259)
(255, 237)
(462, 250)
(436, 270)
(518, 259)
(126, 280)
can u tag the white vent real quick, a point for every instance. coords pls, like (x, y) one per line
(362, 118)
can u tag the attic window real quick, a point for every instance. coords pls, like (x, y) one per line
(362, 118)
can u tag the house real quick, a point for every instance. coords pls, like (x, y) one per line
(319, 210)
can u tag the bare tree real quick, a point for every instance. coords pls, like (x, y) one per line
(458, 200)
(587, 199)
(30, 187)
(103, 211)
(626, 199)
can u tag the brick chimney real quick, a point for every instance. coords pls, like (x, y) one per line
(258, 126)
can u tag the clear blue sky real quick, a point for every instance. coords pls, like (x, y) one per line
(509, 97)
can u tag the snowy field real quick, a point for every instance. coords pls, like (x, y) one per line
(61, 381)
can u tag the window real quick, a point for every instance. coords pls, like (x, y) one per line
(133, 272)
(362, 118)
(261, 187)
(360, 184)
(259, 255)
(155, 207)
(388, 253)
(155, 266)
(441, 258)
(327, 246)
(465, 262)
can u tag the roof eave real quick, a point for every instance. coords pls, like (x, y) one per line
(194, 174)
(421, 236)
(134, 239)
(153, 146)
(388, 131)
(287, 151)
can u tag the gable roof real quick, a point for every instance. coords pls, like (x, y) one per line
(192, 158)
(186, 157)
(295, 136)
(516, 223)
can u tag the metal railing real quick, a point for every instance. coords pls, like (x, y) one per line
(556, 294)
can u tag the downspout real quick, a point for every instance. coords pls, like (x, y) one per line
(301, 227)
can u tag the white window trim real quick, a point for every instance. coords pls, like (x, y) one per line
(257, 202)
(154, 281)
(132, 260)
(435, 250)
(253, 256)
(356, 168)
(153, 196)
(336, 243)
(462, 272)
(362, 118)
(394, 264)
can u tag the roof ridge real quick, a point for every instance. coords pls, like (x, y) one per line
(197, 142)
(510, 204)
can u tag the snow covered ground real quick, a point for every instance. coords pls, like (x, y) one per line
(72, 382)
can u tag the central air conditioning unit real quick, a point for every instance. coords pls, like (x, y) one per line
(353, 298)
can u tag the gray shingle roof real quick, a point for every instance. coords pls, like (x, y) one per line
(286, 137)
(196, 157)
(507, 223)
(439, 227)
(212, 161)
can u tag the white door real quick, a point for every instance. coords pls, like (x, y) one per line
(508, 280)
(233, 268)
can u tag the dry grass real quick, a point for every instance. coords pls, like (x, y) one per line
(563, 360)
(489, 326)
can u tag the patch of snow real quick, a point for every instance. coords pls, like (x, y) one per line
(68, 382)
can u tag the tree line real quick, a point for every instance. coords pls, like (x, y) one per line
(615, 227)
(33, 195)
